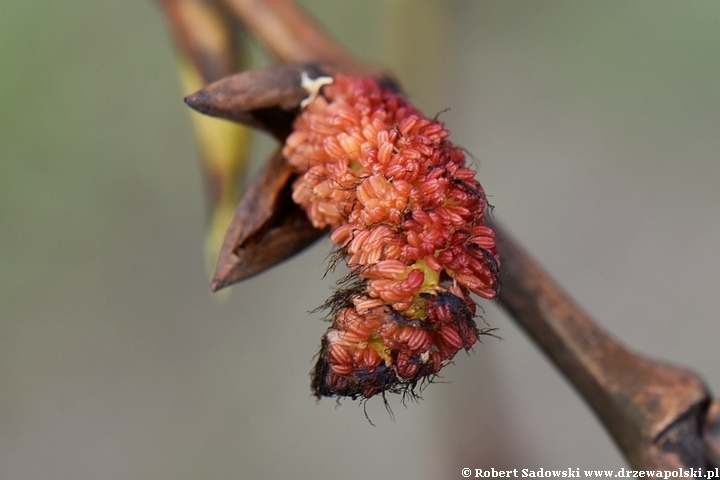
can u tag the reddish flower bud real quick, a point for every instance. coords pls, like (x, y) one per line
(409, 215)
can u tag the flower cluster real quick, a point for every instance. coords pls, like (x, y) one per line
(408, 215)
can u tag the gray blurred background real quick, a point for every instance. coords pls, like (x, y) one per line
(596, 131)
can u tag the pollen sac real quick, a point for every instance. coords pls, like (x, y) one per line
(408, 215)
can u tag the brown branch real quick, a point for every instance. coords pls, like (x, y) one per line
(653, 411)
(205, 36)
(289, 33)
(712, 435)
(292, 36)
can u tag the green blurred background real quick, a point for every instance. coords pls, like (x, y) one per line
(596, 131)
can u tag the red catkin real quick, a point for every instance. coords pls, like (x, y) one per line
(409, 215)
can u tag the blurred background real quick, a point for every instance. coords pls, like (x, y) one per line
(595, 128)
